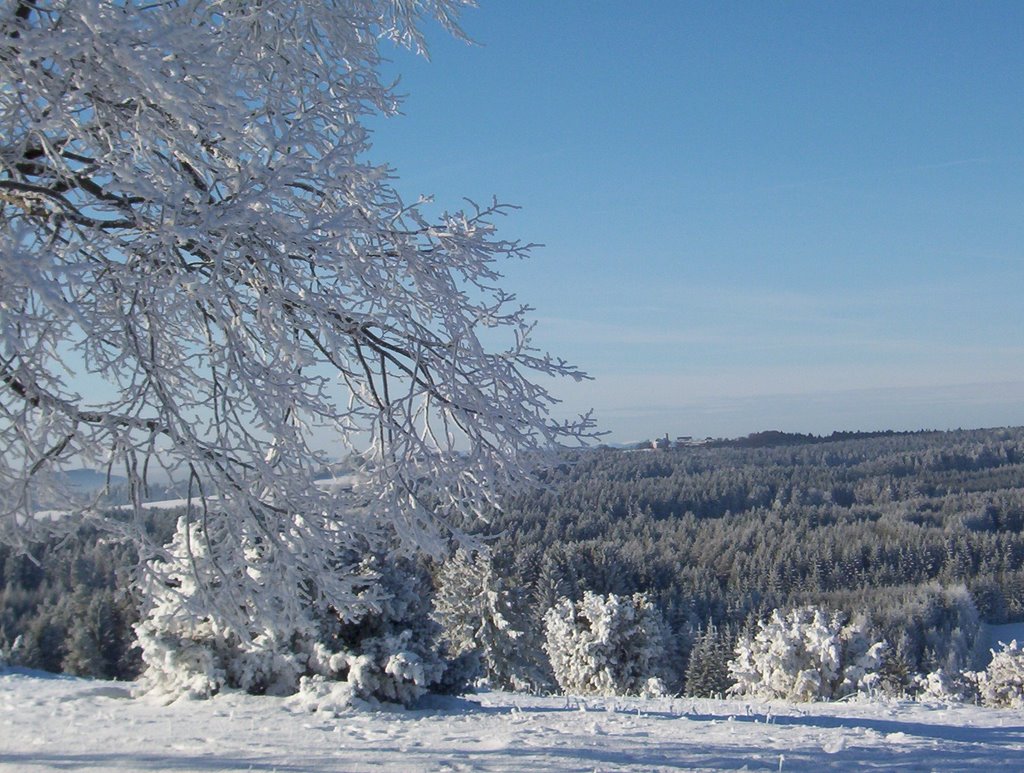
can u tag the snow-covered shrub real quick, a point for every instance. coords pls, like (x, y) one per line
(1001, 685)
(384, 645)
(946, 620)
(805, 655)
(607, 645)
(942, 687)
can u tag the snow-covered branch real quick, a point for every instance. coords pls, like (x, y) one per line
(188, 222)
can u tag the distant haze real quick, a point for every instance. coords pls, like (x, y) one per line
(967, 406)
(756, 215)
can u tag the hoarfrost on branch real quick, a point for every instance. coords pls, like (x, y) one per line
(199, 270)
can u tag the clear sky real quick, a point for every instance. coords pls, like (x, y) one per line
(756, 215)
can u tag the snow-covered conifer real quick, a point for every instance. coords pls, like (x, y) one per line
(1002, 683)
(385, 648)
(896, 677)
(475, 612)
(607, 645)
(391, 650)
(804, 655)
(186, 652)
(707, 674)
(554, 581)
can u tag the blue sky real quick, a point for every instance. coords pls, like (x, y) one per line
(756, 215)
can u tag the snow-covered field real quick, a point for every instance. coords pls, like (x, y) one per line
(59, 723)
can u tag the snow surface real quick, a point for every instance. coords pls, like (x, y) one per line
(332, 484)
(51, 723)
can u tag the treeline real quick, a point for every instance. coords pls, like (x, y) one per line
(772, 438)
(69, 605)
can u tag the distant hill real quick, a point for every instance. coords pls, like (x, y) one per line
(91, 480)
(772, 438)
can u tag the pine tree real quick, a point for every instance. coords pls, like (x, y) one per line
(475, 612)
(385, 647)
(707, 674)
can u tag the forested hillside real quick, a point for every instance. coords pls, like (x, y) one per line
(921, 533)
(916, 530)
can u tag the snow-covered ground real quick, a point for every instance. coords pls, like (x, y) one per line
(59, 723)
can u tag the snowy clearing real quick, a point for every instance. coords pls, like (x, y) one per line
(50, 723)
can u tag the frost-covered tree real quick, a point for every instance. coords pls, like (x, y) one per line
(199, 270)
(390, 650)
(607, 645)
(1001, 685)
(896, 677)
(805, 655)
(385, 648)
(188, 651)
(474, 609)
(942, 687)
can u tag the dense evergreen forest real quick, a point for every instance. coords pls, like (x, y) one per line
(919, 533)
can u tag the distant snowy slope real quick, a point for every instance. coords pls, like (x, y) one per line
(992, 635)
(331, 484)
(91, 480)
(50, 723)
